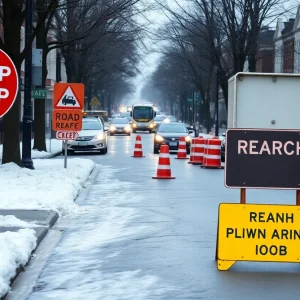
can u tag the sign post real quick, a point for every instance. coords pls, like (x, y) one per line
(68, 105)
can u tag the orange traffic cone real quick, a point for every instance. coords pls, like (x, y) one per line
(181, 154)
(213, 154)
(164, 168)
(138, 151)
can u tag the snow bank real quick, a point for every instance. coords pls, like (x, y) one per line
(15, 250)
(49, 186)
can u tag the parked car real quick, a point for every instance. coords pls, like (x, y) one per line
(119, 126)
(92, 137)
(169, 134)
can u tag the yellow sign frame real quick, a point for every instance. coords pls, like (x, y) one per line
(257, 232)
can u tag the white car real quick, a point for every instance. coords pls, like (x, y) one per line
(92, 137)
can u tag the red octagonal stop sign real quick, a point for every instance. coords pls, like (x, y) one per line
(9, 83)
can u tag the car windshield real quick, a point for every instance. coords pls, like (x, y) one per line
(170, 128)
(126, 114)
(120, 121)
(143, 112)
(159, 118)
(91, 125)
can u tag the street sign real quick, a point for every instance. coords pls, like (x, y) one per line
(67, 135)
(94, 101)
(39, 93)
(258, 232)
(68, 96)
(262, 159)
(9, 83)
(66, 120)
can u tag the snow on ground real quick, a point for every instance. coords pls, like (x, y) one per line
(15, 250)
(12, 221)
(49, 186)
(53, 146)
(94, 242)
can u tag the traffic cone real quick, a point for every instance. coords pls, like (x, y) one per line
(181, 154)
(192, 157)
(198, 151)
(213, 154)
(138, 151)
(164, 168)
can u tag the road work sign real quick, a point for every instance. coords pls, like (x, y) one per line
(262, 158)
(257, 232)
(68, 96)
(66, 120)
(67, 135)
(9, 83)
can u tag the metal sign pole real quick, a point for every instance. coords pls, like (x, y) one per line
(66, 153)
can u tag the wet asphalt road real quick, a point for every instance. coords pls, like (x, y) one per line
(165, 248)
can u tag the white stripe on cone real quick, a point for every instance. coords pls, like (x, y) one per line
(214, 147)
(213, 156)
(163, 167)
(163, 155)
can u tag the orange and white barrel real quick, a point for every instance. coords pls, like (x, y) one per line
(213, 153)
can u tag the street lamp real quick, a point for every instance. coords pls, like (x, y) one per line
(27, 113)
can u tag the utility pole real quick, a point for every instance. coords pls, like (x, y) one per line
(27, 113)
(217, 103)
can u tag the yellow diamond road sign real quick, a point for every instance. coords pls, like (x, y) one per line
(94, 101)
(259, 232)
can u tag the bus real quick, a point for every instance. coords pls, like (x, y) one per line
(97, 113)
(142, 116)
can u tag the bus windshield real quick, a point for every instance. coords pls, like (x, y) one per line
(143, 112)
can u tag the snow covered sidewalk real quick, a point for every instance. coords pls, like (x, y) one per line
(50, 187)
(54, 147)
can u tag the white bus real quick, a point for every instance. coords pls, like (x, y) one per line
(142, 117)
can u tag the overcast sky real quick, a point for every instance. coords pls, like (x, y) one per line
(150, 60)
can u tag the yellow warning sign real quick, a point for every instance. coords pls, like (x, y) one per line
(94, 101)
(257, 232)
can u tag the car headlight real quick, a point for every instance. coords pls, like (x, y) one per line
(99, 136)
(134, 125)
(127, 128)
(159, 138)
(167, 121)
(151, 125)
(112, 128)
(188, 138)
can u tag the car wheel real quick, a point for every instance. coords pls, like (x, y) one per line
(222, 158)
(155, 150)
(188, 151)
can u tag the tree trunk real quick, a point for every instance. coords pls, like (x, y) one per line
(39, 104)
(12, 21)
(39, 113)
(252, 62)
